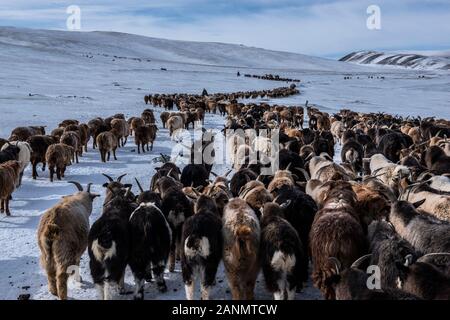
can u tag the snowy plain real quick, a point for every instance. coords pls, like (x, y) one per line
(49, 76)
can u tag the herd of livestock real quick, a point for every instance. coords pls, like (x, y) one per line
(270, 77)
(375, 225)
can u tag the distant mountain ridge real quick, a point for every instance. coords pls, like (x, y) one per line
(405, 60)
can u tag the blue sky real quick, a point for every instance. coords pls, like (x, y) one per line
(327, 28)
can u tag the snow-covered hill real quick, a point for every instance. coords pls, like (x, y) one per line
(411, 60)
(145, 49)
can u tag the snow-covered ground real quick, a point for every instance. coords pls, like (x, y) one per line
(48, 76)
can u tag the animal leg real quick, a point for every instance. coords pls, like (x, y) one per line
(139, 288)
(61, 283)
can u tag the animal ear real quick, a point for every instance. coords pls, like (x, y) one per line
(408, 260)
(105, 185)
(418, 203)
(94, 195)
(128, 185)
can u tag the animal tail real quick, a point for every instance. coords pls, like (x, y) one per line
(243, 237)
(283, 262)
(50, 234)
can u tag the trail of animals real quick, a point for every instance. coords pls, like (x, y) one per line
(317, 224)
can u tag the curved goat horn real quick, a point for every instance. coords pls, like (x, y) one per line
(337, 264)
(120, 177)
(360, 260)
(434, 254)
(139, 185)
(89, 187)
(77, 184)
(108, 177)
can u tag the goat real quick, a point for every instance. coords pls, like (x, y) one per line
(58, 157)
(9, 173)
(63, 237)
(335, 232)
(39, 145)
(109, 245)
(107, 142)
(284, 263)
(202, 247)
(23, 158)
(150, 245)
(241, 234)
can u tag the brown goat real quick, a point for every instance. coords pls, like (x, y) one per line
(107, 142)
(9, 172)
(335, 232)
(58, 156)
(63, 237)
(241, 235)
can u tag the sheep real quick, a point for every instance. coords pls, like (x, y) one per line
(9, 173)
(335, 232)
(58, 156)
(144, 135)
(284, 263)
(63, 237)
(174, 123)
(176, 208)
(109, 245)
(107, 142)
(425, 232)
(120, 128)
(241, 234)
(39, 145)
(150, 245)
(202, 247)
